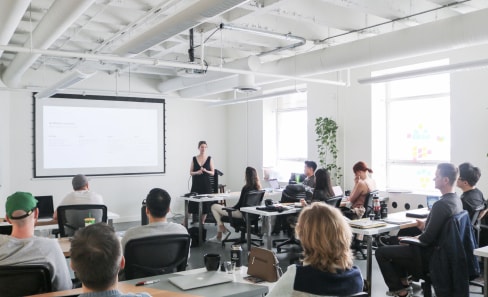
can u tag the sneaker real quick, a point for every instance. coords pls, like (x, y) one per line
(215, 239)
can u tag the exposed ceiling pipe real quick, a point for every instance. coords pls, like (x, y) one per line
(444, 35)
(257, 97)
(11, 12)
(60, 16)
(175, 24)
(299, 41)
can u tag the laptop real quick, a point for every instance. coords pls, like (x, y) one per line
(45, 206)
(275, 185)
(431, 200)
(337, 191)
(198, 280)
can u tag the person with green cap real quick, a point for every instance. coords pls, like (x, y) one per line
(22, 247)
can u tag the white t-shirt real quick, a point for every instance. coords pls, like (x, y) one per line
(82, 197)
(157, 228)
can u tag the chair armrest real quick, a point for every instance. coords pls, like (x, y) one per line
(413, 241)
(229, 208)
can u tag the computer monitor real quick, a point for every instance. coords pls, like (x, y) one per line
(297, 178)
(45, 206)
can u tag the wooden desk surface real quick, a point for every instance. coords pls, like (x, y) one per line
(124, 288)
(65, 245)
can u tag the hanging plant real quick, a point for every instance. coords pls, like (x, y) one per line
(326, 130)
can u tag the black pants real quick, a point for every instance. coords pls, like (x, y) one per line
(396, 262)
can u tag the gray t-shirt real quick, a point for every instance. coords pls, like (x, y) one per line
(157, 228)
(37, 250)
(82, 197)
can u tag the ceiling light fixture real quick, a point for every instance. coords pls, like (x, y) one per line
(425, 71)
(258, 97)
(75, 77)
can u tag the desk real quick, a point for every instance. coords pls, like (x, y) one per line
(266, 220)
(208, 198)
(368, 233)
(483, 252)
(65, 244)
(238, 288)
(124, 288)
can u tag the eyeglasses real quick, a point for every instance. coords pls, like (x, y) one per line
(461, 179)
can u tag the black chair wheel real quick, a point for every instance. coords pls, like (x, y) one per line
(278, 250)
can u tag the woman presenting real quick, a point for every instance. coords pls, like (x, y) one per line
(201, 168)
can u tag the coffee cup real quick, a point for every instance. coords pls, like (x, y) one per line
(212, 261)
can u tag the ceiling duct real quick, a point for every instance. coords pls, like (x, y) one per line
(180, 22)
(247, 84)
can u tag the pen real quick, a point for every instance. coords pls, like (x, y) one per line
(142, 283)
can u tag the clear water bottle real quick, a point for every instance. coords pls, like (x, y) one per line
(236, 254)
(376, 208)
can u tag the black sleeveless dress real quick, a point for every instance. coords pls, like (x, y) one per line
(200, 184)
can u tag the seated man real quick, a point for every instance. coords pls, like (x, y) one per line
(22, 247)
(157, 207)
(96, 258)
(472, 198)
(309, 171)
(81, 194)
(397, 261)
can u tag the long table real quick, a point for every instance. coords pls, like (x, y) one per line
(483, 252)
(124, 288)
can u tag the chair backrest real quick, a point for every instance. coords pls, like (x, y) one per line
(72, 217)
(368, 203)
(334, 201)
(155, 255)
(23, 280)
(253, 198)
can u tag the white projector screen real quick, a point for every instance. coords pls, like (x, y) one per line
(95, 135)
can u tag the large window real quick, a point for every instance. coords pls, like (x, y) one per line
(417, 127)
(285, 145)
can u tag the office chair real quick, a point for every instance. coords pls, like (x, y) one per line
(253, 198)
(448, 275)
(72, 217)
(357, 245)
(476, 221)
(23, 280)
(334, 201)
(155, 255)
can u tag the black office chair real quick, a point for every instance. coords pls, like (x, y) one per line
(334, 201)
(23, 280)
(357, 245)
(155, 255)
(253, 198)
(476, 221)
(72, 217)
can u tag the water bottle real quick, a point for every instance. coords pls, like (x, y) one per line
(376, 208)
(384, 210)
(236, 254)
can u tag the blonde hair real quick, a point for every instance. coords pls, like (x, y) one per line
(325, 237)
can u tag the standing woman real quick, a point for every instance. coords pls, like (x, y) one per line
(201, 168)
(363, 184)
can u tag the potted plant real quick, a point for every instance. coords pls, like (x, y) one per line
(326, 130)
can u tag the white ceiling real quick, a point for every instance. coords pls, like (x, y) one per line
(150, 38)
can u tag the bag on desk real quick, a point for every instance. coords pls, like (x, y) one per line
(262, 263)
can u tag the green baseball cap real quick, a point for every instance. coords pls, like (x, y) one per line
(20, 201)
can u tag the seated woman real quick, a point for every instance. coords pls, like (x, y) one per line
(363, 184)
(327, 266)
(252, 184)
(323, 186)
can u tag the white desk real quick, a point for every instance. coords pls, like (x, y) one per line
(483, 252)
(266, 220)
(200, 200)
(238, 288)
(369, 240)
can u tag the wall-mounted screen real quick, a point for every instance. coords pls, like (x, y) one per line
(97, 135)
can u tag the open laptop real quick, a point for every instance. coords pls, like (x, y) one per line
(275, 185)
(337, 191)
(198, 280)
(431, 200)
(46, 207)
(422, 212)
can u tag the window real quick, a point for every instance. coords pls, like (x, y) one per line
(285, 143)
(416, 125)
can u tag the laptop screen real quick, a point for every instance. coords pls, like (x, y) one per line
(274, 184)
(431, 200)
(337, 191)
(46, 206)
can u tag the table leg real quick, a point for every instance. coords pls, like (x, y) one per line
(185, 222)
(268, 237)
(248, 231)
(200, 225)
(485, 274)
(369, 261)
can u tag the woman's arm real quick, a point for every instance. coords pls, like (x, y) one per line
(356, 192)
(192, 169)
(211, 171)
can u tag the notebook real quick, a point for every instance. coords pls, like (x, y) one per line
(46, 207)
(420, 213)
(275, 185)
(198, 280)
(366, 223)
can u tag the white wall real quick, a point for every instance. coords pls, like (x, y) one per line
(187, 122)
